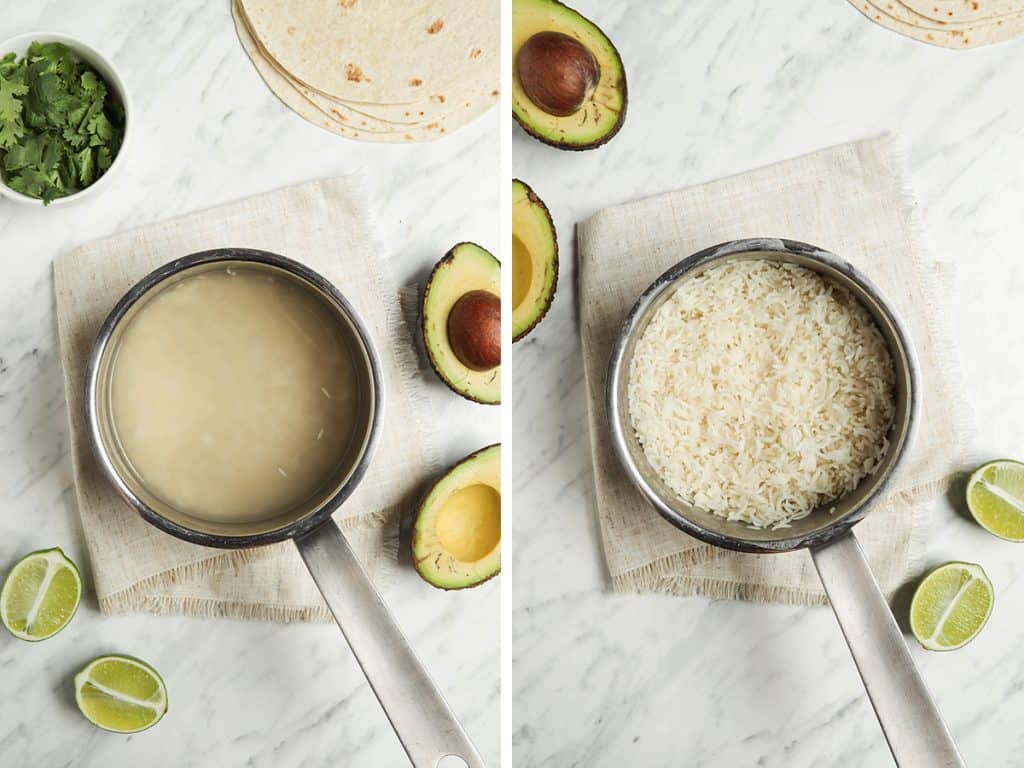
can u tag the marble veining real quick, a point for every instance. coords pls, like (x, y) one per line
(717, 88)
(240, 694)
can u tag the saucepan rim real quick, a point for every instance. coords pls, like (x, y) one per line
(305, 522)
(643, 476)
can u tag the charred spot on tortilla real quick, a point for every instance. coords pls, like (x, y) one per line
(435, 26)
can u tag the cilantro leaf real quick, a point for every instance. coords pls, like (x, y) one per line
(103, 158)
(92, 86)
(34, 183)
(57, 59)
(27, 154)
(91, 111)
(10, 105)
(101, 129)
(49, 100)
(85, 165)
(53, 151)
(10, 132)
(74, 139)
(60, 126)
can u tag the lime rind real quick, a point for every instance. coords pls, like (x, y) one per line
(995, 498)
(955, 616)
(58, 612)
(102, 703)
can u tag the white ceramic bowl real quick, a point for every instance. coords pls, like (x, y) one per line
(19, 45)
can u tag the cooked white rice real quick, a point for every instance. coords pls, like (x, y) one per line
(760, 391)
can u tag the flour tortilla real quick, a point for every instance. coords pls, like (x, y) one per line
(430, 108)
(901, 12)
(971, 35)
(343, 111)
(960, 11)
(397, 114)
(382, 51)
(283, 88)
(457, 116)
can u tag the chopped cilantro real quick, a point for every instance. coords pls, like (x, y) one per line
(60, 126)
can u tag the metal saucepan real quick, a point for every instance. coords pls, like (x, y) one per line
(424, 723)
(912, 725)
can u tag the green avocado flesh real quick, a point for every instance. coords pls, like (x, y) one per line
(456, 538)
(465, 268)
(534, 260)
(602, 112)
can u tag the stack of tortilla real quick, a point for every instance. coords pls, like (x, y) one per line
(949, 23)
(377, 70)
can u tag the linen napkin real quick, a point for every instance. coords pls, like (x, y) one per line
(137, 567)
(851, 200)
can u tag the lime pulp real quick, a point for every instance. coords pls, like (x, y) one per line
(995, 497)
(951, 605)
(120, 694)
(40, 595)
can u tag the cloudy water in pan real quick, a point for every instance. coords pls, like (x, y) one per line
(234, 394)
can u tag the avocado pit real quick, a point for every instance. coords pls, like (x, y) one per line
(568, 80)
(474, 330)
(557, 72)
(461, 322)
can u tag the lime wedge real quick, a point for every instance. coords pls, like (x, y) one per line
(121, 694)
(40, 595)
(950, 606)
(995, 496)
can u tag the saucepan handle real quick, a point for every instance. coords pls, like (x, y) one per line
(418, 712)
(912, 725)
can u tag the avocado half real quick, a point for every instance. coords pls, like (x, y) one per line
(534, 260)
(560, 94)
(456, 537)
(461, 318)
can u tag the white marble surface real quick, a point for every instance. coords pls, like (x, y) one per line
(718, 87)
(255, 694)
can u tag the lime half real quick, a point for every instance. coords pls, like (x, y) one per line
(121, 694)
(995, 496)
(950, 606)
(40, 595)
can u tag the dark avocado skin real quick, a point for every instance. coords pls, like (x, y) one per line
(534, 200)
(458, 589)
(620, 86)
(415, 535)
(447, 588)
(434, 363)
